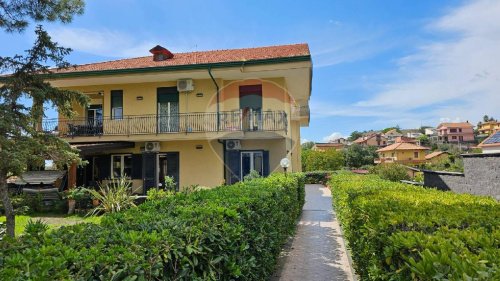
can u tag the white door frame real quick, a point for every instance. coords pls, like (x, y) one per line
(252, 164)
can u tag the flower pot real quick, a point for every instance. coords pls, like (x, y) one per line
(95, 202)
(71, 206)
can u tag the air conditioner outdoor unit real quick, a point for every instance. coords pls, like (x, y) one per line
(233, 144)
(152, 146)
(185, 85)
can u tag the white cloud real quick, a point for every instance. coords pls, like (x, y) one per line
(302, 141)
(104, 42)
(454, 77)
(333, 136)
(457, 77)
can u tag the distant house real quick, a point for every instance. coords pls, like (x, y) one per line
(432, 134)
(491, 144)
(407, 139)
(437, 156)
(391, 136)
(328, 146)
(375, 139)
(455, 132)
(412, 133)
(402, 152)
(488, 128)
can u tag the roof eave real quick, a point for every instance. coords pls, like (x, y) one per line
(179, 67)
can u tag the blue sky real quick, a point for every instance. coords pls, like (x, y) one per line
(376, 63)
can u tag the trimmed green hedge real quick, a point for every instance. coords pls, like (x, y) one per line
(227, 233)
(401, 232)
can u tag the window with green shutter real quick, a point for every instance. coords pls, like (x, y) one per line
(116, 104)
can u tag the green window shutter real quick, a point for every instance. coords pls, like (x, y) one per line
(168, 94)
(116, 98)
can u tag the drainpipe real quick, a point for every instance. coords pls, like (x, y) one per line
(224, 159)
(217, 87)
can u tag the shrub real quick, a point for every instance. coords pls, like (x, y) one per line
(170, 183)
(35, 227)
(226, 233)
(392, 172)
(328, 160)
(114, 196)
(252, 175)
(317, 177)
(402, 232)
(158, 194)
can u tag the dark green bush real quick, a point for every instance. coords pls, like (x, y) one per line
(227, 233)
(392, 172)
(401, 232)
(317, 177)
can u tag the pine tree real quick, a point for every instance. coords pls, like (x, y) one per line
(22, 140)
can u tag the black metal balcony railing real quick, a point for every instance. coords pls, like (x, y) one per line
(229, 121)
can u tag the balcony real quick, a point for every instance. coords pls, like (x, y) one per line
(205, 122)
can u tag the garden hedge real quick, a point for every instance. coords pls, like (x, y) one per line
(227, 233)
(401, 232)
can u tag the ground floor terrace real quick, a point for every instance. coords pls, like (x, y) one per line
(189, 162)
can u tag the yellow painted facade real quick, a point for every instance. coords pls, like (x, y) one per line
(404, 155)
(202, 157)
(488, 128)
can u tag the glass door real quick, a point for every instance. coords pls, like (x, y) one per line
(94, 119)
(168, 109)
(251, 107)
(252, 160)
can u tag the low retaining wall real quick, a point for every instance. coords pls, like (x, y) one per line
(481, 176)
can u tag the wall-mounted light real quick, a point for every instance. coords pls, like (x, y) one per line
(100, 94)
(199, 146)
(139, 98)
(199, 95)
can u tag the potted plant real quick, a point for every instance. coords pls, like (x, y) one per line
(73, 195)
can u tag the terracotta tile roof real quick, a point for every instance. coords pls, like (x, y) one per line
(456, 125)
(329, 144)
(402, 146)
(435, 154)
(405, 139)
(203, 57)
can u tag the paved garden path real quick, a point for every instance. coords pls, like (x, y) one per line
(317, 251)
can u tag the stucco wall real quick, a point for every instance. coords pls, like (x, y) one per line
(481, 176)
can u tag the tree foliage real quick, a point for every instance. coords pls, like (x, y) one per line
(307, 145)
(354, 136)
(328, 160)
(15, 15)
(24, 92)
(357, 155)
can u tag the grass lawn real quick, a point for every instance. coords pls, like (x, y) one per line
(53, 220)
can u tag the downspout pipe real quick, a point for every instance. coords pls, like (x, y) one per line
(218, 98)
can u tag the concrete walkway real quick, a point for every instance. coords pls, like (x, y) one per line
(317, 251)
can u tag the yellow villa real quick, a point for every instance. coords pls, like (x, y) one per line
(204, 118)
(488, 128)
(402, 152)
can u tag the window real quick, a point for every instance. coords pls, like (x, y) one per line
(453, 130)
(117, 104)
(460, 130)
(251, 160)
(121, 165)
(453, 137)
(415, 154)
(392, 154)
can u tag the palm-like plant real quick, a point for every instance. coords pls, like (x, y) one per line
(114, 196)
